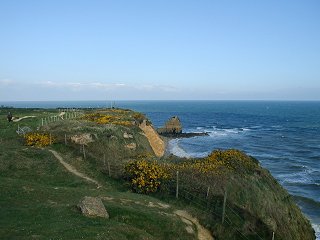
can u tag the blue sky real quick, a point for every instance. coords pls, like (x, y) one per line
(219, 50)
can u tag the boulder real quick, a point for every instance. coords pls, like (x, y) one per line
(82, 139)
(92, 207)
(127, 135)
(131, 146)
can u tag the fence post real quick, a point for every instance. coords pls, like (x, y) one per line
(224, 205)
(177, 188)
(84, 152)
(208, 190)
(41, 121)
(65, 139)
(109, 168)
(272, 235)
(104, 163)
(50, 139)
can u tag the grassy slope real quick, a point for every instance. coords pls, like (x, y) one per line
(38, 197)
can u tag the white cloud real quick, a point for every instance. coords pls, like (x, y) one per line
(81, 86)
(163, 88)
(6, 82)
(78, 86)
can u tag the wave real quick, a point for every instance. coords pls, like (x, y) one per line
(302, 177)
(176, 150)
(316, 228)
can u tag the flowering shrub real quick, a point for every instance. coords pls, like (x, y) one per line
(106, 119)
(38, 139)
(233, 159)
(217, 161)
(145, 176)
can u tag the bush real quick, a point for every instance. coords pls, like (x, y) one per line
(145, 176)
(38, 139)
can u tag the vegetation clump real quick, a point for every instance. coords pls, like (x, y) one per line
(145, 176)
(217, 162)
(38, 139)
(107, 119)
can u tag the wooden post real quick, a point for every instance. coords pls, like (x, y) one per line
(109, 171)
(84, 152)
(208, 190)
(224, 205)
(41, 121)
(177, 187)
(65, 139)
(272, 235)
(50, 139)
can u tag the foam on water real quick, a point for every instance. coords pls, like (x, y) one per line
(316, 228)
(176, 150)
(297, 177)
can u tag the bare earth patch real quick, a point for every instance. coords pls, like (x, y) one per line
(191, 222)
(203, 234)
(19, 119)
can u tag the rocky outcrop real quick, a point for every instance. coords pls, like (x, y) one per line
(82, 139)
(93, 207)
(127, 135)
(172, 126)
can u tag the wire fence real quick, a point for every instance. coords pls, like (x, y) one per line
(63, 114)
(207, 199)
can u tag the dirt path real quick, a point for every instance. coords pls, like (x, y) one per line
(156, 143)
(191, 222)
(74, 171)
(203, 234)
(19, 119)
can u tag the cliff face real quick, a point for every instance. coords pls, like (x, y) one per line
(263, 197)
(157, 144)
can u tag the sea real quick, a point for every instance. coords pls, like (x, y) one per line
(283, 135)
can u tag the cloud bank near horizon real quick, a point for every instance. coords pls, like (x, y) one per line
(11, 90)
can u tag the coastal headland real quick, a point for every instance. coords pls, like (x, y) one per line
(54, 160)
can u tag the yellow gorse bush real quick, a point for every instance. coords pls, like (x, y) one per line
(217, 161)
(106, 119)
(38, 139)
(145, 176)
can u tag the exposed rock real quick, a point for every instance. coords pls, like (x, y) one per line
(93, 207)
(157, 144)
(131, 146)
(127, 135)
(172, 126)
(82, 139)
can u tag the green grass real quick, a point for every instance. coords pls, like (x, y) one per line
(39, 196)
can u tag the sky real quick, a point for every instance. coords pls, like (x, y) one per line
(159, 50)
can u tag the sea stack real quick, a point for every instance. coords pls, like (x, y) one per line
(172, 126)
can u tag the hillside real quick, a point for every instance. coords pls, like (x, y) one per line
(41, 186)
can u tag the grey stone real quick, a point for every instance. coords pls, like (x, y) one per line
(92, 207)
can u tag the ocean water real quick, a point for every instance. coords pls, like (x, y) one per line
(283, 136)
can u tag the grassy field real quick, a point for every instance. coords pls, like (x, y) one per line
(39, 196)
